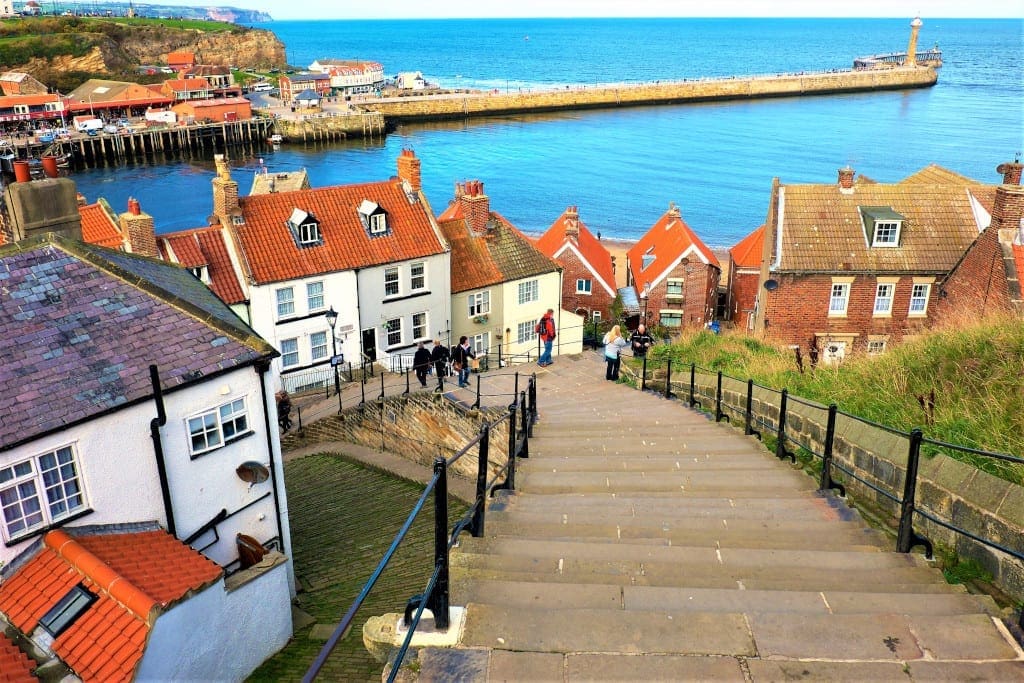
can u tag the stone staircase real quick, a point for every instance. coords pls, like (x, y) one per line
(645, 542)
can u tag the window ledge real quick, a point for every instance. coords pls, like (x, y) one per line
(21, 538)
(403, 297)
(882, 315)
(227, 442)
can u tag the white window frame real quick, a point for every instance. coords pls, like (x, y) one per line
(839, 297)
(672, 315)
(479, 303)
(920, 292)
(675, 283)
(218, 426)
(392, 327)
(378, 223)
(584, 286)
(285, 298)
(417, 280)
(526, 332)
(392, 281)
(289, 352)
(884, 293)
(529, 291)
(317, 346)
(480, 343)
(876, 346)
(54, 498)
(420, 331)
(309, 233)
(315, 298)
(889, 229)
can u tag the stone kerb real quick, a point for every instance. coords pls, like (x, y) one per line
(420, 427)
(976, 501)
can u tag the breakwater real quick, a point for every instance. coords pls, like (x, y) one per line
(330, 126)
(496, 103)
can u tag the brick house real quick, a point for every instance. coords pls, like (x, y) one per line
(676, 272)
(744, 279)
(292, 86)
(588, 271)
(863, 265)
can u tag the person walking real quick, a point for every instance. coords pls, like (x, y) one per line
(640, 341)
(421, 363)
(439, 357)
(613, 345)
(460, 360)
(546, 330)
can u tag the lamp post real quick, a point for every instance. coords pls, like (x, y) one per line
(332, 320)
(644, 295)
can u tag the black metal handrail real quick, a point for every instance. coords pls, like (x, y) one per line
(907, 536)
(435, 597)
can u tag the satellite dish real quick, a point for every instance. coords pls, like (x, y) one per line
(252, 472)
(771, 285)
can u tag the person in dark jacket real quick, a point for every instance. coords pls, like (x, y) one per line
(640, 341)
(439, 357)
(460, 359)
(421, 363)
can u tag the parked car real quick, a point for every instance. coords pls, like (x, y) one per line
(110, 128)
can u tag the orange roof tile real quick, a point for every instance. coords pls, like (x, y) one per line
(15, 666)
(31, 100)
(667, 241)
(181, 57)
(935, 174)
(130, 573)
(747, 252)
(179, 84)
(273, 254)
(99, 225)
(554, 241)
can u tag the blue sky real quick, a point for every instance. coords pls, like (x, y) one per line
(416, 9)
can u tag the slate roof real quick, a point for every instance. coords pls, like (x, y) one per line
(554, 241)
(273, 254)
(667, 241)
(80, 325)
(134, 577)
(205, 247)
(15, 666)
(308, 94)
(99, 225)
(503, 255)
(287, 181)
(822, 229)
(747, 252)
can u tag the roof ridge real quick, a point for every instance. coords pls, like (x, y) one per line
(120, 589)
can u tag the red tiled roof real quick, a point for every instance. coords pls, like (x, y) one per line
(933, 174)
(30, 100)
(130, 573)
(99, 226)
(218, 102)
(667, 241)
(747, 252)
(15, 666)
(179, 84)
(205, 247)
(554, 240)
(181, 57)
(273, 254)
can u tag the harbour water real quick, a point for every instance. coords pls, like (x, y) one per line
(622, 167)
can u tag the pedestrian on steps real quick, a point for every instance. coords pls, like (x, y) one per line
(439, 357)
(613, 345)
(421, 363)
(545, 329)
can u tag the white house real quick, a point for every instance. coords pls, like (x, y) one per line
(410, 80)
(349, 77)
(371, 252)
(501, 283)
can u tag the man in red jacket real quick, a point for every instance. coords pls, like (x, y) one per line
(546, 331)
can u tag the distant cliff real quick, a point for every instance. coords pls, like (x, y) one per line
(62, 52)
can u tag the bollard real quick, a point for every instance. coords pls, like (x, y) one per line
(668, 379)
(826, 456)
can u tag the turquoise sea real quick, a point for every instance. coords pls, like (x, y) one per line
(622, 167)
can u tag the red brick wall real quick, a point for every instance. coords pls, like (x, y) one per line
(743, 294)
(977, 287)
(700, 294)
(574, 269)
(798, 310)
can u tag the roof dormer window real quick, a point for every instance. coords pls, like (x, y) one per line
(373, 217)
(882, 226)
(201, 273)
(305, 228)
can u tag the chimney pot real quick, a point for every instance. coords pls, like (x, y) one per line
(1011, 172)
(133, 206)
(846, 179)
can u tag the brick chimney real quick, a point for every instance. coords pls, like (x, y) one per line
(47, 205)
(572, 223)
(1008, 207)
(476, 206)
(409, 169)
(673, 210)
(138, 230)
(225, 191)
(846, 180)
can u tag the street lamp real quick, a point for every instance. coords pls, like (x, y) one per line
(644, 295)
(332, 320)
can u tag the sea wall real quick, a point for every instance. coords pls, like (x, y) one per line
(330, 126)
(703, 90)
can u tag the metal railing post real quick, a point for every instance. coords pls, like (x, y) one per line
(438, 602)
(643, 377)
(476, 526)
(826, 455)
(510, 480)
(500, 365)
(718, 399)
(531, 388)
(476, 403)
(693, 383)
(381, 397)
(525, 429)
(407, 390)
(515, 388)
(748, 414)
(780, 445)
(362, 392)
(906, 538)
(668, 379)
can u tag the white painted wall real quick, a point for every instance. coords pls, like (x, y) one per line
(376, 308)
(549, 290)
(220, 635)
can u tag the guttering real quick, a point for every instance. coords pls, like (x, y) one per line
(158, 449)
(262, 368)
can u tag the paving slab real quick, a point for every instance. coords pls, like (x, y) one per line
(651, 667)
(957, 672)
(827, 672)
(526, 666)
(876, 637)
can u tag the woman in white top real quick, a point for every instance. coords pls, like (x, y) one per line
(613, 345)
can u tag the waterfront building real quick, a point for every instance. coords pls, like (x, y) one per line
(859, 265)
(187, 89)
(214, 110)
(674, 273)
(501, 283)
(36, 108)
(114, 98)
(19, 83)
(588, 269)
(179, 60)
(291, 86)
(410, 80)
(350, 77)
(220, 78)
(264, 182)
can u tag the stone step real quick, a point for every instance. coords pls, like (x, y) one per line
(817, 506)
(654, 598)
(738, 464)
(770, 483)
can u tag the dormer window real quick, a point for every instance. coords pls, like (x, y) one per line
(305, 228)
(200, 273)
(373, 217)
(882, 225)
(647, 259)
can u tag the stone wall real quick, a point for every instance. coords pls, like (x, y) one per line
(316, 126)
(495, 103)
(950, 490)
(419, 427)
